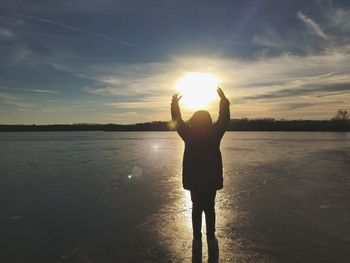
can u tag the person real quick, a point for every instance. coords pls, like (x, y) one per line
(202, 165)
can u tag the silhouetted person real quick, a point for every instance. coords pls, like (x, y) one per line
(202, 168)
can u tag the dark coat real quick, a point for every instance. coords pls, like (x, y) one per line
(202, 162)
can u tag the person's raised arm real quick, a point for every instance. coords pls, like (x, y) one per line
(180, 125)
(224, 113)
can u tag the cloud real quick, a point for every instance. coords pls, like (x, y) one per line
(335, 88)
(296, 41)
(10, 99)
(23, 103)
(255, 87)
(74, 28)
(270, 38)
(13, 49)
(312, 25)
(338, 18)
(5, 34)
(32, 90)
(308, 77)
(45, 91)
(303, 105)
(156, 102)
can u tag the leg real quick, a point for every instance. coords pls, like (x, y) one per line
(209, 210)
(213, 246)
(197, 210)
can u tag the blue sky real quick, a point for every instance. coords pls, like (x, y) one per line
(112, 61)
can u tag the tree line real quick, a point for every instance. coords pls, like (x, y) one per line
(340, 122)
(265, 124)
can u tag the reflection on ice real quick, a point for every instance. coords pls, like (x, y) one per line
(188, 207)
(136, 172)
(155, 147)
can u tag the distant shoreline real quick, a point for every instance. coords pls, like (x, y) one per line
(234, 125)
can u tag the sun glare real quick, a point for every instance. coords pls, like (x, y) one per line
(197, 89)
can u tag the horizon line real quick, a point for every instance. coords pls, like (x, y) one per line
(125, 124)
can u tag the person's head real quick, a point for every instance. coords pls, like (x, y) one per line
(200, 120)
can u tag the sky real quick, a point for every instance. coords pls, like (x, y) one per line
(113, 61)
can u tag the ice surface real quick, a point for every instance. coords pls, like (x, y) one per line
(117, 197)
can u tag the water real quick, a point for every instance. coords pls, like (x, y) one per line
(117, 197)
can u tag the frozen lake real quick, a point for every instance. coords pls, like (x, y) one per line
(117, 197)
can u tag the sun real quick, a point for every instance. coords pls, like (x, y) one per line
(197, 89)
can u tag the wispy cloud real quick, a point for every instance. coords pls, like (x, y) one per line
(256, 87)
(156, 102)
(74, 28)
(16, 101)
(8, 97)
(6, 34)
(338, 17)
(311, 104)
(31, 90)
(313, 40)
(270, 38)
(298, 72)
(281, 86)
(330, 89)
(312, 25)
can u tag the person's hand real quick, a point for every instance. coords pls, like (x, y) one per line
(175, 99)
(221, 93)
